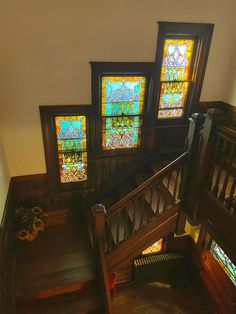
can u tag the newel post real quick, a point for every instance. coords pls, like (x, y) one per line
(188, 172)
(200, 163)
(99, 212)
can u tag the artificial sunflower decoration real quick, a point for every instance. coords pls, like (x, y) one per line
(29, 221)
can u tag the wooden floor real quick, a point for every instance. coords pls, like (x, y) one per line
(58, 261)
(159, 298)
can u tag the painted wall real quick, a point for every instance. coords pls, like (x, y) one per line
(230, 86)
(4, 180)
(46, 46)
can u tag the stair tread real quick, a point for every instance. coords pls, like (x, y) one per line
(68, 265)
(76, 303)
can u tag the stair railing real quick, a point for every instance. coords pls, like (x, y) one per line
(102, 273)
(144, 204)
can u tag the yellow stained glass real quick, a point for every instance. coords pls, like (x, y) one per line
(71, 145)
(154, 248)
(176, 62)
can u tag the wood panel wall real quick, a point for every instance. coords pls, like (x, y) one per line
(8, 248)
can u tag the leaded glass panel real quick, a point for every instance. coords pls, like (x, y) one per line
(71, 145)
(122, 95)
(224, 261)
(175, 76)
(121, 132)
(173, 95)
(122, 103)
(177, 55)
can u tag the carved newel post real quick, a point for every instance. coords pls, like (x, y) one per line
(99, 212)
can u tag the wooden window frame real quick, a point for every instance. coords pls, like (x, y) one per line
(202, 34)
(48, 114)
(100, 69)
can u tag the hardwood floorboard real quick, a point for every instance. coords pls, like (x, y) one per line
(59, 261)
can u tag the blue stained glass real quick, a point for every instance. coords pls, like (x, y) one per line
(122, 95)
(224, 261)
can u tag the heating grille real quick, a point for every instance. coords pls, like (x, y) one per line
(158, 267)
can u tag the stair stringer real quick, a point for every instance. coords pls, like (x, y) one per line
(123, 254)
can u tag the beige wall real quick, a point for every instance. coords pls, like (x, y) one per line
(4, 180)
(46, 46)
(230, 86)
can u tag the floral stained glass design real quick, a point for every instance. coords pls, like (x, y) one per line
(175, 74)
(224, 261)
(122, 103)
(72, 145)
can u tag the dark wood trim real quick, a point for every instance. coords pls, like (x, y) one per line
(8, 248)
(202, 34)
(228, 110)
(160, 227)
(220, 224)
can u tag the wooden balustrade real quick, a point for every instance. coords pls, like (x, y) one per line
(222, 180)
(144, 204)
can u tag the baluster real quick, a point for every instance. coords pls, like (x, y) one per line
(150, 205)
(110, 235)
(168, 180)
(126, 221)
(176, 183)
(216, 154)
(230, 200)
(141, 211)
(226, 179)
(158, 199)
(118, 228)
(134, 215)
(219, 172)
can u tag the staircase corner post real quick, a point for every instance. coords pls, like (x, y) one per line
(188, 171)
(99, 212)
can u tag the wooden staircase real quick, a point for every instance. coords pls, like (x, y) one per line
(144, 208)
(59, 273)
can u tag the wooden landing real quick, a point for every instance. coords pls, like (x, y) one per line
(58, 262)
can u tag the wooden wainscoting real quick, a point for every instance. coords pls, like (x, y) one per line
(8, 247)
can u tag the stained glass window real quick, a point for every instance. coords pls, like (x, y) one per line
(175, 77)
(122, 104)
(72, 145)
(154, 248)
(224, 261)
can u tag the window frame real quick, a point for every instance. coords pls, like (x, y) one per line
(100, 69)
(202, 34)
(48, 114)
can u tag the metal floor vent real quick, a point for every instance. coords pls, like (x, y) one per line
(158, 267)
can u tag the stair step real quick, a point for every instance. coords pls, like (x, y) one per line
(83, 302)
(59, 261)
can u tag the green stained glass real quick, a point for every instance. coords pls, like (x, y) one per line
(224, 261)
(122, 95)
(71, 145)
(176, 66)
(122, 100)
(121, 132)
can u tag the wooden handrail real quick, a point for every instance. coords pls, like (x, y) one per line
(107, 304)
(224, 130)
(145, 185)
